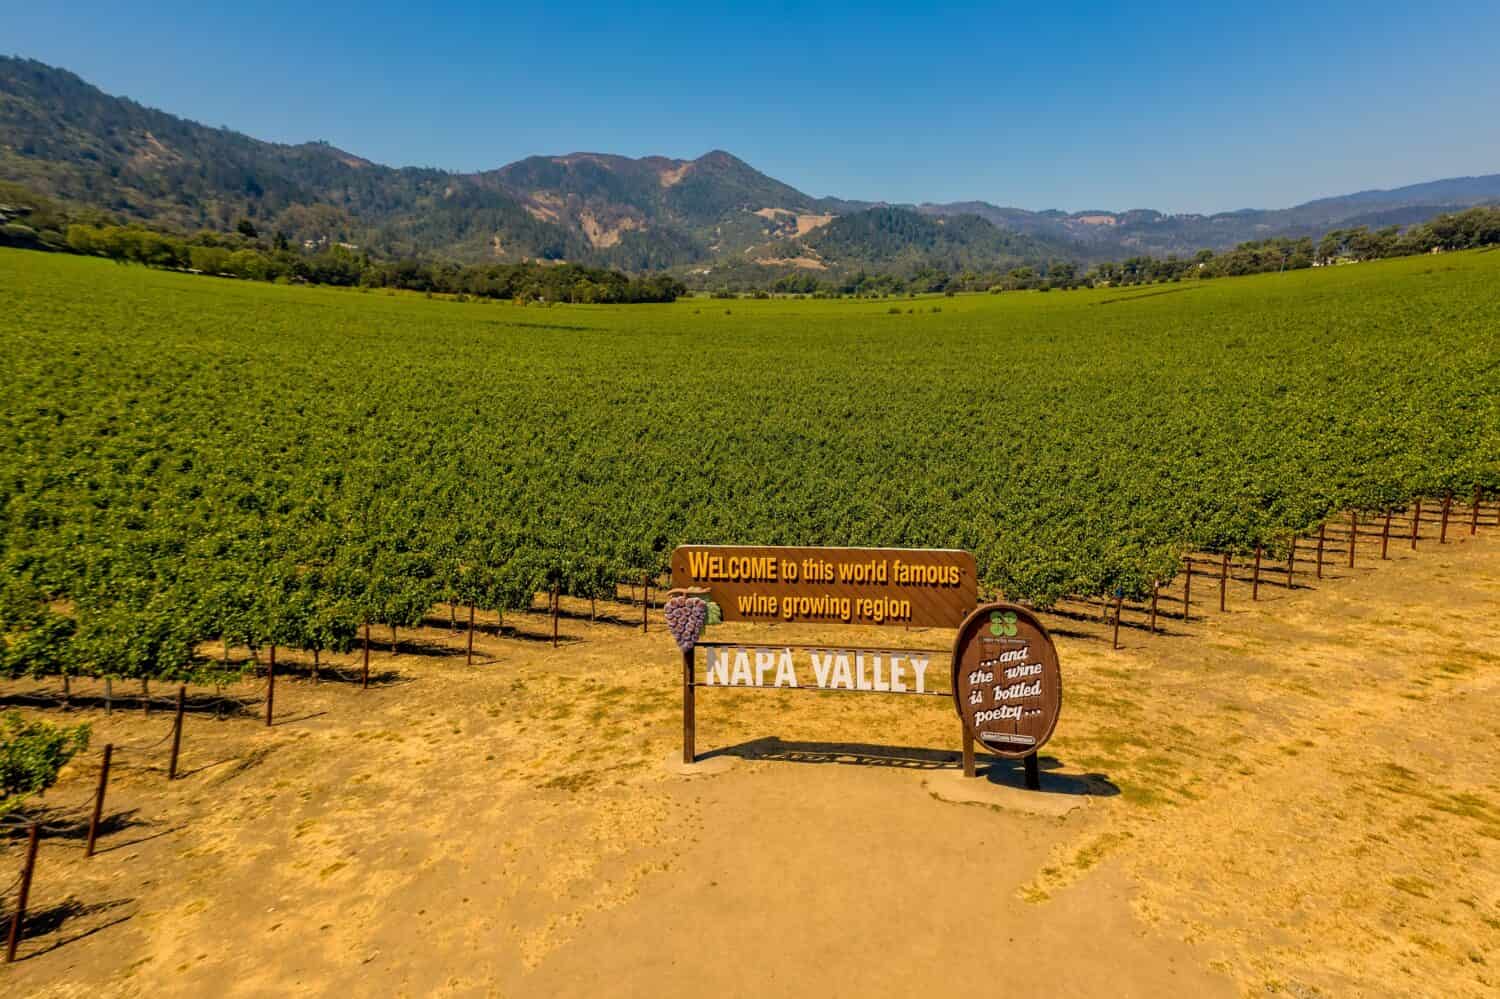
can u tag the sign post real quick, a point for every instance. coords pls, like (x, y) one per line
(689, 708)
(1007, 687)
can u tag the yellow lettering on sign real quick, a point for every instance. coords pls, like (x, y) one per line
(708, 568)
(881, 609)
(925, 575)
(757, 604)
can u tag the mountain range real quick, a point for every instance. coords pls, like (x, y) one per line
(713, 215)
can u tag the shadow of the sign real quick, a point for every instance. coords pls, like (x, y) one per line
(1012, 773)
(848, 753)
(994, 769)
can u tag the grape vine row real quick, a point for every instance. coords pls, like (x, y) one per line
(186, 459)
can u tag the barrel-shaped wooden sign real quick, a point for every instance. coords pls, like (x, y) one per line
(1007, 686)
(921, 587)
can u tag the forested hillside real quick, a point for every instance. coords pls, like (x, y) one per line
(65, 138)
(714, 220)
(953, 243)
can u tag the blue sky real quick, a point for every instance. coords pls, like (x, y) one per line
(1107, 106)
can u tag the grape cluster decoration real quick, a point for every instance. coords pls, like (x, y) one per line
(686, 617)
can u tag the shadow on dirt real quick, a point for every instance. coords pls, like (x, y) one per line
(67, 914)
(995, 769)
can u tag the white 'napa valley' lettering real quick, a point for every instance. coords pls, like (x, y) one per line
(724, 670)
(833, 669)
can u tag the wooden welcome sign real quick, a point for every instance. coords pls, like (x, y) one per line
(920, 588)
(1005, 680)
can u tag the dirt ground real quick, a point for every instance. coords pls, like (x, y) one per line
(1296, 797)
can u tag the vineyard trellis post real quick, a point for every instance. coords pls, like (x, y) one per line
(1447, 505)
(1385, 537)
(469, 652)
(556, 604)
(1155, 591)
(33, 837)
(270, 685)
(645, 604)
(1187, 592)
(968, 753)
(1291, 562)
(145, 697)
(109, 696)
(177, 732)
(1119, 604)
(1474, 514)
(1224, 582)
(1353, 533)
(88, 849)
(1255, 576)
(365, 666)
(1322, 537)
(1416, 519)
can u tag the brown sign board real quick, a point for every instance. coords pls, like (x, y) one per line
(917, 587)
(1007, 686)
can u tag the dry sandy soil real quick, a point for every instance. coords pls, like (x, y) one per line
(1295, 797)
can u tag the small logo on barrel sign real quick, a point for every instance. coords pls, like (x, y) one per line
(1003, 623)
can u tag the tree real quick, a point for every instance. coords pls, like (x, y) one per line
(1330, 246)
(247, 229)
(208, 259)
(82, 239)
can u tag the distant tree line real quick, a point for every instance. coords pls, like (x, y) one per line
(928, 280)
(525, 282)
(27, 220)
(1468, 229)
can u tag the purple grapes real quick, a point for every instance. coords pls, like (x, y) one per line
(686, 617)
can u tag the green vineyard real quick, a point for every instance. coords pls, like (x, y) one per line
(185, 459)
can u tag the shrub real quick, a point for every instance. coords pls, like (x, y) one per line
(31, 755)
